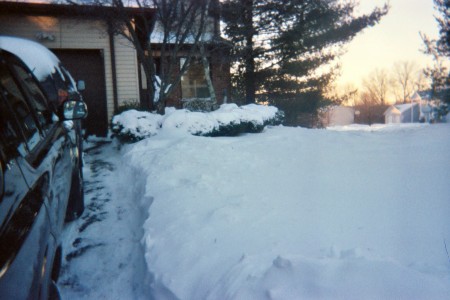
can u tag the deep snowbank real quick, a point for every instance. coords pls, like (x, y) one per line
(298, 214)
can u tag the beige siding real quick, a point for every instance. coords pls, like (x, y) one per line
(71, 33)
(126, 71)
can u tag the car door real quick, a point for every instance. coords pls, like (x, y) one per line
(37, 171)
(24, 229)
(55, 154)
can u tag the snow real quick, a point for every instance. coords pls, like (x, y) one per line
(404, 107)
(104, 258)
(378, 127)
(351, 212)
(294, 213)
(146, 124)
(39, 59)
(138, 123)
(157, 88)
(157, 36)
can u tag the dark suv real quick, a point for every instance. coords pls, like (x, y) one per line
(41, 182)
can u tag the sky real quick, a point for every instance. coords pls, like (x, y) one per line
(396, 38)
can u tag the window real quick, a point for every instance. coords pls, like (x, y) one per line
(12, 141)
(193, 82)
(13, 106)
(36, 97)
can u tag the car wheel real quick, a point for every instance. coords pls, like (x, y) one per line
(76, 200)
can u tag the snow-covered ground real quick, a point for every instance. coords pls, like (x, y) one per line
(352, 213)
(103, 255)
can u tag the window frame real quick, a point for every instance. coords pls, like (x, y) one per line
(195, 87)
(41, 117)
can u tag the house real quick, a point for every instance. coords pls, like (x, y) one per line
(84, 41)
(426, 105)
(338, 116)
(422, 108)
(402, 113)
(80, 38)
(193, 87)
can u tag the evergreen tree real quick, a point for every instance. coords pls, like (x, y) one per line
(440, 51)
(443, 44)
(281, 47)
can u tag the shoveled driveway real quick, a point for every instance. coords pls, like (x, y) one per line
(103, 255)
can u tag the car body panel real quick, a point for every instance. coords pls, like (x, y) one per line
(39, 153)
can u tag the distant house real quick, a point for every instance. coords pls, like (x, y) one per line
(426, 105)
(338, 116)
(108, 63)
(402, 113)
(422, 108)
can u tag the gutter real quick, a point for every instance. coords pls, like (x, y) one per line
(113, 67)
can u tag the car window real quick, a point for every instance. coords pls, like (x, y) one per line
(12, 143)
(70, 82)
(36, 97)
(57, 87)
(14, 106)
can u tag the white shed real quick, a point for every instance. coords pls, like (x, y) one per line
(338, 116)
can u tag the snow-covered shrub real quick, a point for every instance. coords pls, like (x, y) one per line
(131, 126)
(252, 118)
(196, 123)
(228, 120)
(199, 104)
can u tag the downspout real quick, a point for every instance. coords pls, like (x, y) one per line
(112, 50)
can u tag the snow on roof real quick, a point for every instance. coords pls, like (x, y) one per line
(157, 36)
(391, 110)
(416, 97)
(404, 107)
(41, 61)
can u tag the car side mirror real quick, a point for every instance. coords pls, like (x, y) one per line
(81, 85)
(74, 110)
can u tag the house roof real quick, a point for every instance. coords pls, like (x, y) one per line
(50, 9)
(399, 108)
(392, 110)
(157, 36)
(416, 97)
(404, 107)
(425, 95)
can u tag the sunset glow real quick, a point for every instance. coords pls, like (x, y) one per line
(396, 38)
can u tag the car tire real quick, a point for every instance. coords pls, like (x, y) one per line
(76, 200)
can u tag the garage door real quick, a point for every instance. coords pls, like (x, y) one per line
(88, 65)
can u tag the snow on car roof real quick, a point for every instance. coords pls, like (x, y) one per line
(41, 61)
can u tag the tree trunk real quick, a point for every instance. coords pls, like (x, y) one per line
(249, 75)
(206, 68)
